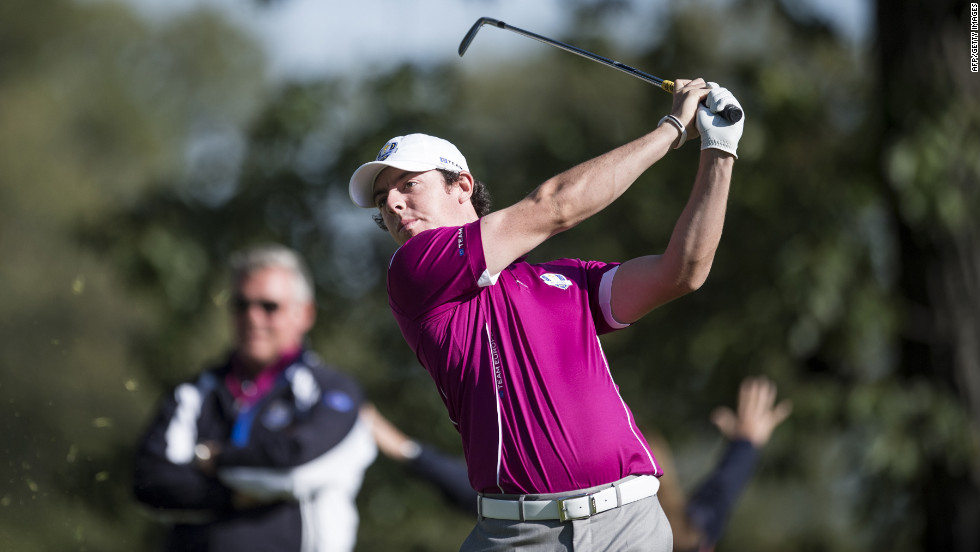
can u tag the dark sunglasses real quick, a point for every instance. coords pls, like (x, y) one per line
(243, 305)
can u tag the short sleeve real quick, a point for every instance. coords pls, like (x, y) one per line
(436, 268)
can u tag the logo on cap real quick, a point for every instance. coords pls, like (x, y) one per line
(387, 150)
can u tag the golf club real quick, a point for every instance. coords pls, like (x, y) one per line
(732, 113)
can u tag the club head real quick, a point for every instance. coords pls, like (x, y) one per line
(471, 34)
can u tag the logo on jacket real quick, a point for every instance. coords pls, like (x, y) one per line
(556, 280)
(338, 400)
(277, 416)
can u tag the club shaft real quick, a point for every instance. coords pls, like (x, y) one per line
(731, 112)
(586, 54)
(567, 47)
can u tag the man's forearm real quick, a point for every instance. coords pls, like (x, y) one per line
(698, 230)
(562, 202)
(341, 467)
(584, 190)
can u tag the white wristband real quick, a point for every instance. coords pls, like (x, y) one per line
(680, 126)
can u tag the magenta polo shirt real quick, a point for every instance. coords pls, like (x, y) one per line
(518, 363)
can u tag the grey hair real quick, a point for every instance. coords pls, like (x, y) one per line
(247, 261)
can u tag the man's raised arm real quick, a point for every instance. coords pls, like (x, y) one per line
(644, 283)
(567, 199)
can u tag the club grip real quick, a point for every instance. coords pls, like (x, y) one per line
(731, 113)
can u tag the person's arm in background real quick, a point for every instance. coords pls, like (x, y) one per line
(327, 445)
(446, 472)
(747, 431)
(165, 476)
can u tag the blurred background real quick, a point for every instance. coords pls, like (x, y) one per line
(141, 142)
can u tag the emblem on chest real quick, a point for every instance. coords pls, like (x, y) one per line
(556, 280)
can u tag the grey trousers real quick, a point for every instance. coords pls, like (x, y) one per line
(640, 526)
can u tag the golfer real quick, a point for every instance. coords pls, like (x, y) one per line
(513, 348)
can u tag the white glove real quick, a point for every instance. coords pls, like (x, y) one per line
(716, 131)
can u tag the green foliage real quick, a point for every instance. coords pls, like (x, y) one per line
(90, 119)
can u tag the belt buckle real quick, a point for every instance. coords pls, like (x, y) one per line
(563, 513)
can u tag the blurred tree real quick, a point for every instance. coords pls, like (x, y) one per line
(928, 144)
(95, 108)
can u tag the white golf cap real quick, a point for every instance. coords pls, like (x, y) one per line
(413, 152)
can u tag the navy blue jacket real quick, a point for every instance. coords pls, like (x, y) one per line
(300, 452)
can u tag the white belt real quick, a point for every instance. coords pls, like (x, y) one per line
(572, 507)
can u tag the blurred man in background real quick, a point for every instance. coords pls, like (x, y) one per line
(266, 451)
